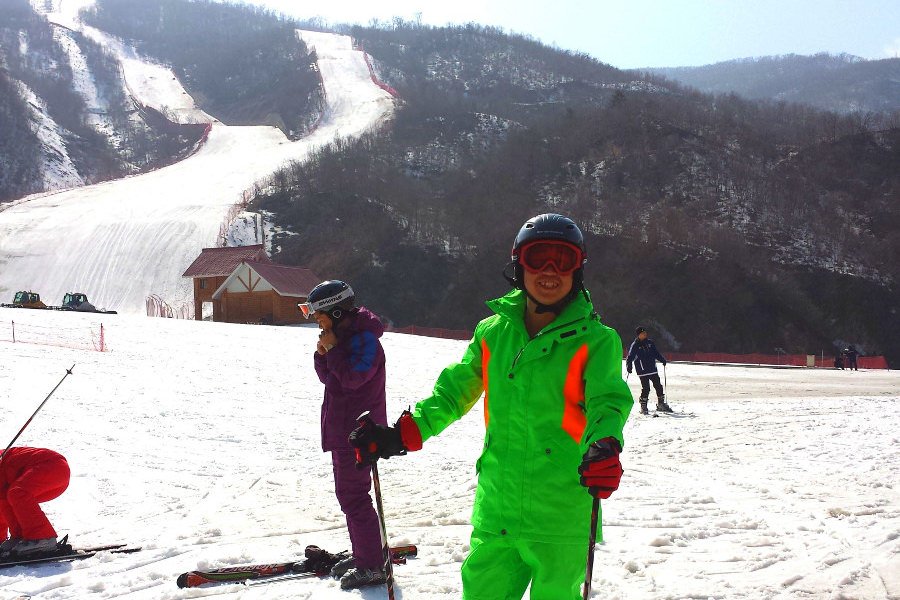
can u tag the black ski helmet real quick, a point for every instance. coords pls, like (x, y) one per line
(548, 226)
(333, 297)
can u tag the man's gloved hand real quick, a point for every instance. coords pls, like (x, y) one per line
(628, 369)
(373, 441)
(600, 468)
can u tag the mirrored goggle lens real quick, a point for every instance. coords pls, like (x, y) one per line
(305, 309)
(563, 257)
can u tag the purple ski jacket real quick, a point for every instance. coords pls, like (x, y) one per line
(354, 377)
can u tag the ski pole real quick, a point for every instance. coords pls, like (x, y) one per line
(595, 513)
(366, 421)
(68, 372)
(665, 383)
(388, 564)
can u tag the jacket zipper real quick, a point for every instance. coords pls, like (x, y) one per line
(539, 334)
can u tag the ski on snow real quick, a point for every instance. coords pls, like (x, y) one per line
(66, 553)
(673, 415)
(318, 563)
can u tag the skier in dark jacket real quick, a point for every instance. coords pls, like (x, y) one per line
(643, 355)
(852, 354)
(349, 360)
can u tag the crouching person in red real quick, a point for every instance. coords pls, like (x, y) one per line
(29, 476)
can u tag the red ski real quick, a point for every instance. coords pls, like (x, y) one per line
(317, 563)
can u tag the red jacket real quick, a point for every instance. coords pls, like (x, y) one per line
(15, 461)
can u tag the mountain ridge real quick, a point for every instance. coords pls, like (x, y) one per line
(843, 83)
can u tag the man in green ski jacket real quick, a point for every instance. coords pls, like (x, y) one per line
(555, 404)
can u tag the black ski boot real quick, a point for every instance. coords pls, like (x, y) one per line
(32, 549)
(644, 410)
(342, 566)
(661, 405)
(357, 578)
(321, 562)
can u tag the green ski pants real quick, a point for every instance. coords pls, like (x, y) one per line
(500, 568)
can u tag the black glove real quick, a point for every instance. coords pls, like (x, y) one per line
(628, 368)
(600, 468)
(373, 441)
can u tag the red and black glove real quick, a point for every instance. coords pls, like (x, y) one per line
(373, 441)
(600, 468)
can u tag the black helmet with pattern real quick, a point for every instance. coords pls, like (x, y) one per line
(333, 297)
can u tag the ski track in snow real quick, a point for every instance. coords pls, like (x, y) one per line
(200, 442)
(123, 240)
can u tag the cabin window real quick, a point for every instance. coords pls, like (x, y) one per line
(202, 283)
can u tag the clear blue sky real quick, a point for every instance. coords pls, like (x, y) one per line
(651, 33)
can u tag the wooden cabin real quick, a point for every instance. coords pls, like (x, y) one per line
(263, 292)
(242, 285)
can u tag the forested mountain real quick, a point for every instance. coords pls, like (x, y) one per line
(720, 222)
(19, 147)
(842, 83)
(723, 224)
(243, 65)
(32, 63)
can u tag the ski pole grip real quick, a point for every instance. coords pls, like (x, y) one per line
(366, 456)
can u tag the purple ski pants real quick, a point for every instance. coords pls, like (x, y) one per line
(351, 486)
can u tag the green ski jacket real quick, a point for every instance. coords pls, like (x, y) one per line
(545, 400)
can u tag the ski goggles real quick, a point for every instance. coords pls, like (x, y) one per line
(304, 308)
(308, 308)
(562, 257)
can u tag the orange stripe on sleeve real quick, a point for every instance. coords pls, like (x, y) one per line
(574, 419)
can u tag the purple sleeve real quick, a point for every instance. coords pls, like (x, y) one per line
(354, 363)
(321, 367)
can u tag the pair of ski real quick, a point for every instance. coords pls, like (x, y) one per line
(66, 553)
(318, 563)
(672, 415)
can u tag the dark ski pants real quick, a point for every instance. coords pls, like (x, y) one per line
(646, 380)
(351, 486)
(500, 568)
(19, 510)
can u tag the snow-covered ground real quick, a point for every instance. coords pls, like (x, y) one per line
(200, 442)
(123, 240)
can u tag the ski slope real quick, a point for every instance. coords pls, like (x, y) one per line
(123, 240)
(200, 442)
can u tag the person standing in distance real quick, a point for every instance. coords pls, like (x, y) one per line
(349, 360)
(643, 355)
(554, 408)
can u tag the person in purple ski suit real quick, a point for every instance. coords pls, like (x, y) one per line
(349, 360)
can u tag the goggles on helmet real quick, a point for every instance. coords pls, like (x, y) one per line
(562, 257)
(308, 308)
